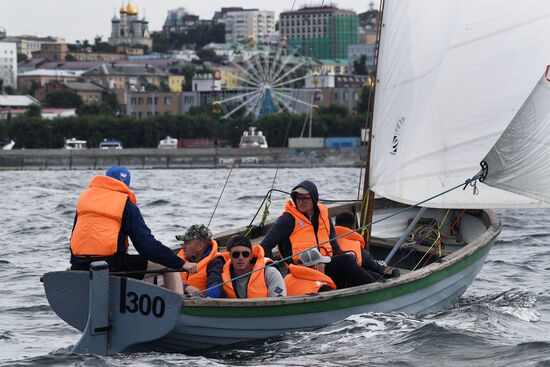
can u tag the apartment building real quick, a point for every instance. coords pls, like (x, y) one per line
(8, 65)
(142, 105)
(323, 32)
(241, 25)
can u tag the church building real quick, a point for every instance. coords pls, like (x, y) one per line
(129, 29)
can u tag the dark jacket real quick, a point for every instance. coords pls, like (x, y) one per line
(213, 274)
(143, 240)
(281, 230)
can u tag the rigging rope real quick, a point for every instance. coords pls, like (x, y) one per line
(237, 156)
(266, 210)
(267, 199)
(437, 241)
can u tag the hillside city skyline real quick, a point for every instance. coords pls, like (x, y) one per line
(63, 19)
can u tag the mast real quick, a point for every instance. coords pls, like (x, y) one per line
(367, 206)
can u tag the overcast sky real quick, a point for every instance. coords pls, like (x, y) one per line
(79, 19)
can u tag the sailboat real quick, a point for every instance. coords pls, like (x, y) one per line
(458, 84)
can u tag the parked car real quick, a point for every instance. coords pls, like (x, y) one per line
(75, 144)
(168, 143)
(110, 144)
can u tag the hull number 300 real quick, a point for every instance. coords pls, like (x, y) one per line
(140, 303)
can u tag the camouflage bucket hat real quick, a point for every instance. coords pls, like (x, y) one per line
(195, 232)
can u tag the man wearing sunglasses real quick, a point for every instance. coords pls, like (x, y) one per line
(199, 247)
(246, 273)
(305, 224)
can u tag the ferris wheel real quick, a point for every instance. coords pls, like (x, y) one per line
(267, 86)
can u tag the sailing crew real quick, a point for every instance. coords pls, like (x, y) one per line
(354, 242)
(199, 247)
(106, 215)
(245, 274)
(306, 224)
(308, 276)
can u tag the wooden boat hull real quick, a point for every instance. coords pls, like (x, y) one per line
(221, 322)
(206, 323)
(202, 327)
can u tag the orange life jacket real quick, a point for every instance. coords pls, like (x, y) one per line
(303, 280)
(257, 288)
(200, 278)
(351, 242)
(303, 236)
(99, 217)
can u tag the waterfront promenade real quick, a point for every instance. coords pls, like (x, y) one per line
(59, 159)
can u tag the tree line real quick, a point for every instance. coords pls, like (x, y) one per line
(32, 132)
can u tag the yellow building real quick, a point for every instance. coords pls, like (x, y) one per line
(176, 82)
(229, 77)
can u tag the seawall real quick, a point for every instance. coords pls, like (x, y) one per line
(60, 159)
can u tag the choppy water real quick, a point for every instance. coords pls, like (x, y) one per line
(502, 320)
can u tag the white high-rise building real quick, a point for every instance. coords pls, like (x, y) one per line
(8, 64)
(242, 24)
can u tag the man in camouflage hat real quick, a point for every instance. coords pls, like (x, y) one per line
(195, 232)
(199, 246)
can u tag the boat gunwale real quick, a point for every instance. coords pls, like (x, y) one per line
(493, 228)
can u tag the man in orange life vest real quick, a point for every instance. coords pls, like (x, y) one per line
(106, 215)
(199, 247)
(308, 277)
(305, 224)
(241, 259)
(356, 243)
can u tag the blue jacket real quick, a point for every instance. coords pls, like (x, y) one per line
(214, 274)
(143, 240)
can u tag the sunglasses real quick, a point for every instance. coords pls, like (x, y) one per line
(236, 254)
(303, 198)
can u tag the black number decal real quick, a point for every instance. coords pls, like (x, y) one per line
(143, 304)
(158, 306)
(133, 301)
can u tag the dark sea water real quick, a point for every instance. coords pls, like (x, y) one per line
(502, 320)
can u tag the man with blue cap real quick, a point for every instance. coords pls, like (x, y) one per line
(106, 215)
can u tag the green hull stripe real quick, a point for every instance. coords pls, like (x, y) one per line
(338, 303)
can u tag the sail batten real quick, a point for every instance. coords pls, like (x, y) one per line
(451, 77)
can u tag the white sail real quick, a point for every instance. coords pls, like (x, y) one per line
(519, 160)
(452, 74)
